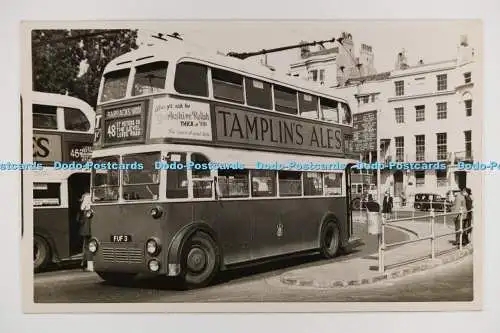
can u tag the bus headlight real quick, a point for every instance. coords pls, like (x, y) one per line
(152, 246)
(92, 246)
(154, 265)
(156, 212)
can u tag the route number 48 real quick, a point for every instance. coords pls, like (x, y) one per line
(112, 130)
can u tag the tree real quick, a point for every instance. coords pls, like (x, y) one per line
(58, 56)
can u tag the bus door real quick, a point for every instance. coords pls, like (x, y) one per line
(348, 171)
(78, 184)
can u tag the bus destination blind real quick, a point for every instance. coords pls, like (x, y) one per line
(124, 124)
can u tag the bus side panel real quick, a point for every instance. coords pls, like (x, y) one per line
(53, 222)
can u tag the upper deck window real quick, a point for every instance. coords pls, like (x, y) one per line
(258, 93)
(150, 78)
(227, 85)
(75, 120)
(285, 100)
(346, 114)
(329, 110)
(115, 85)
(141, 184)
(44, 116)
(308, 106)
(191, 79)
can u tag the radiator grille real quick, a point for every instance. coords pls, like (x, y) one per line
(119, 254)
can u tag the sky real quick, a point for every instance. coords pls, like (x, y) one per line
(430, 41)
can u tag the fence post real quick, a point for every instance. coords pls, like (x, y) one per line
(445, 208)
(381, 246)
(433, 243)
(461, 230)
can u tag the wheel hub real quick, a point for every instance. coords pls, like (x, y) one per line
(196, 260)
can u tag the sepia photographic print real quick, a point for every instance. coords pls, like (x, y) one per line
(252, 166)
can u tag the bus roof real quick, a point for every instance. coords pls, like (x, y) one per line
(180, 50)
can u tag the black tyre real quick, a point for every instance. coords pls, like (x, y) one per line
(41, 252)
(200, 261)
(356, 204)
(330, 240)
(116, 278)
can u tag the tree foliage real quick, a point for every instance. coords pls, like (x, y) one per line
(59, 55)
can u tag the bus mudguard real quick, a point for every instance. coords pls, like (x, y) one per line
(330, 216)
(178, 241)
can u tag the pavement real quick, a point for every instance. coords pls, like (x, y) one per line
(399, 260)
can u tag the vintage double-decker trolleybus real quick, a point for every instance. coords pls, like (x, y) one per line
(240, 149)
(63, 129)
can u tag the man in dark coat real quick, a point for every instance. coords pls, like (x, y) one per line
(387, 204)
(372, 206)
(84, 226)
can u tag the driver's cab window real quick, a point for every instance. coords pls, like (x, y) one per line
(202, 181)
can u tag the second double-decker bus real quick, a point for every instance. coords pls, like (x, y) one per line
(63, 129)
(207, 163)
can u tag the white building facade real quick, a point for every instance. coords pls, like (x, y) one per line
(426, 113)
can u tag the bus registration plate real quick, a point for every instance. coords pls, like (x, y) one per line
(121, 238)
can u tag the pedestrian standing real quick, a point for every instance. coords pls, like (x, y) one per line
(387, 205)
(84, 221)
(459, 205)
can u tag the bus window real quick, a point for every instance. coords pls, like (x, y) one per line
(44, 116)
(333, 184)
(150, 78)
(290, 183)
(105, 181)
(308, 106)
(329, 110)
(46, 194)
(75, 120)
(227, 85)
(263, 183)
(258, 93)
(202, 180)
(233, 183)
(191, 79)
(177, 184)
(313, 184)
(141, 184)
(346, 114)
(285, 100)
(115, 85)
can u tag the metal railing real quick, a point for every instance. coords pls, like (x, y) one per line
(432, 237)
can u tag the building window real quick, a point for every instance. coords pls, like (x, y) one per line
(419, 178)
(373, 98)
(420, 147)
(441, 110)
(400, 148)
(468, 107)
(322, 75)
(400, 88)
(442, 82)
(468, 77)
(420, 112)
(441, 178)
(442, 151)
(365, 99)
(400, 115)
(468, 144)
(313, 75)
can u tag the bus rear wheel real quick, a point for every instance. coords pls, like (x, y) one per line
(116, 278)
(200, 261)
(330, 240)
(41, 252)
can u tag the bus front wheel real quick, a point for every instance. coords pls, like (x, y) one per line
(41, 252)
(200, 261)
(330, 240)
(116, 278)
